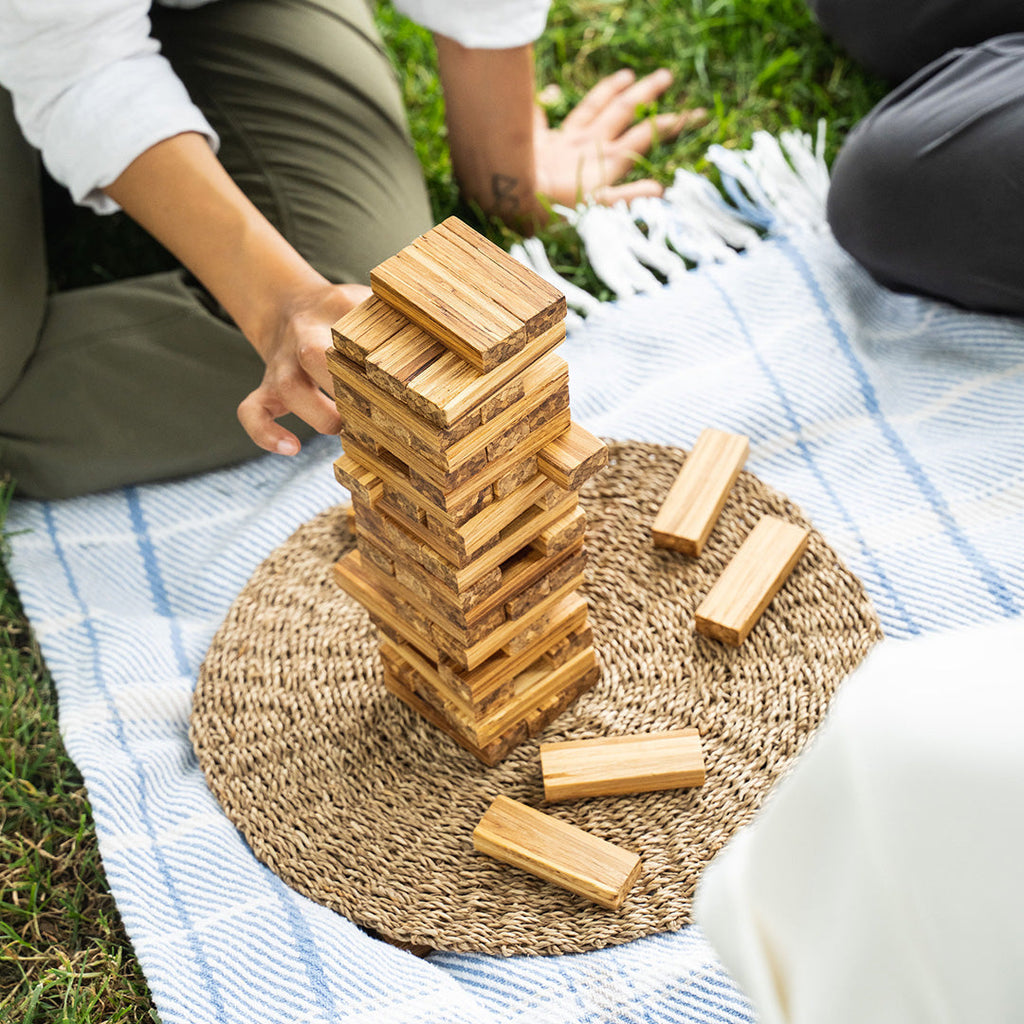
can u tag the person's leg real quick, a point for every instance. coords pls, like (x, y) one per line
(22, 252)
(311, 122)
(928, 191)
(139, 380)
(895, 38)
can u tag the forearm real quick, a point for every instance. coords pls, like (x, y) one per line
(179, 192)
(489, 111)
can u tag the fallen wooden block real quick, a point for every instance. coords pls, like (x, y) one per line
(695, 499)
(751, 580)
(557, 852)
(614, 765)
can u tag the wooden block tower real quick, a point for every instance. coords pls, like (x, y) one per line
(464, 467)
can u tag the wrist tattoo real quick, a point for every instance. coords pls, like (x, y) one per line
(503, 190)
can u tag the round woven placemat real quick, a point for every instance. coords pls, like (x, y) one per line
(361, 805)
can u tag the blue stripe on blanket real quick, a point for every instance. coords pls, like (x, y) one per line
(896, 424)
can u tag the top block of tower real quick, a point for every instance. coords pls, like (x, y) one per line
(469, 294)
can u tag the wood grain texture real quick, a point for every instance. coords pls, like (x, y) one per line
(364, 329)
(573, 457)
(451, 388)
(749, 582)
(614, 765)
(699, 492)
(446, 312)
(557, 851)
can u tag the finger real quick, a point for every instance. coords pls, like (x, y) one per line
(638, 139)
(609, 195)
(312, 354)
(620, 112)
(302, 396)
(258, 416)
(598, 98)
(260, 409)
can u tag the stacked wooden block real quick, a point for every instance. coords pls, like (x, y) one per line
(464, 468)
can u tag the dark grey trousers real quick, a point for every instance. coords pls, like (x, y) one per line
(928, 190)
(138, 380)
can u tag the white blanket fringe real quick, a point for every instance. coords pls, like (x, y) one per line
(778, 186)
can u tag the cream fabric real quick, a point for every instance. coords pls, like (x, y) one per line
(883, 881)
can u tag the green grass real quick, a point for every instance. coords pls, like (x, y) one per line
(754, 64)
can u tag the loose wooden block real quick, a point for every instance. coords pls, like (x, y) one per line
(573, 458)
(557, 852)
(751, 580)
(695, 499)
(613, 765)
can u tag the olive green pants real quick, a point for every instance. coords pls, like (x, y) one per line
(139, 380)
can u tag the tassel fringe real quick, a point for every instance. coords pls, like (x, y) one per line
(777, 187)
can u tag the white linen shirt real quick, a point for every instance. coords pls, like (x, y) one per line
(92, 92)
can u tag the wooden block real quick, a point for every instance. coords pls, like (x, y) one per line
(408, 616)
(536, 689)
(534, 624)
(518, 288)
(461, 544)
(372, 553)
(363, 329)
(363, 483)
(557, 852)
(751, 580)
(569, 647)
(515, 576)
(543, 715)
(453, 282)
(614, 765)
(517, 535)
(350, 574)
(695, 499)
(491, 754)
(350, 381)
(567, 617)
(451, 388)
(442, 478)
(573, 458)
(515, 478)
(452, 309)
(496, 749)
(563, 532)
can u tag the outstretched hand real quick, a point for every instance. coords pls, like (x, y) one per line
(600, 140)
(297, 379)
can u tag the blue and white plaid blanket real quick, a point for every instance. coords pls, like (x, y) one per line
(896, 423)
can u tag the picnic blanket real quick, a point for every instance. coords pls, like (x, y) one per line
(894, 422)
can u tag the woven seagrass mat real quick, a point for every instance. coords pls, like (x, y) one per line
(361, 805)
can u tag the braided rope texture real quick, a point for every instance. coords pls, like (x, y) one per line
(359, 804)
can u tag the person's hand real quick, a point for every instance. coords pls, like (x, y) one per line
(600, 140)
(297, 379)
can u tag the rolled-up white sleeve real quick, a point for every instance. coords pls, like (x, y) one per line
(90, 88)
(481, 24)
